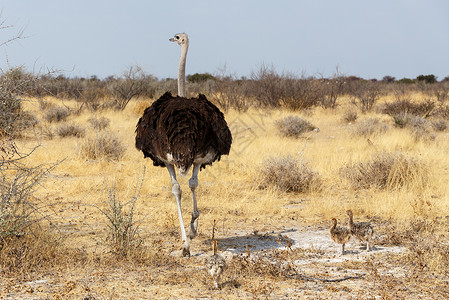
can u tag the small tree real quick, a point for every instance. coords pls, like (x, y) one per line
(133, 83)
(427, 78)
(197, 77)
(388, 79)
(332, 89)
(365, 94)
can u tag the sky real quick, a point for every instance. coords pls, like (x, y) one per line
(369, 39)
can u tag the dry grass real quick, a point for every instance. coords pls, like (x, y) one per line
(387, 171)
(56, 114)
(70, 129)
(414, 187)
(369, 127)
(289, 174)
(293, 126)
(105, 145)
(99, 123)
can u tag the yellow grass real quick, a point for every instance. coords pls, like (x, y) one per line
(230, 190)
(232, 185)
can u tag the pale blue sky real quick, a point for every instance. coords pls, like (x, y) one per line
(370, 39)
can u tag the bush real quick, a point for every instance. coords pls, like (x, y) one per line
(99, 123)
(289, 174)
(369, 127)
(440, 125)
(401, 119)
(365, 95)
(133, 84)
(350, 116)
(66, 130)
(56, 114)
(387, 171)
(230, 93)
(421, 128)
(17, 185)
(124, 239)
(293, 126)
(13, 119)
(105, 145)
(423, 109)
(270, 89)
(197, 77)
(427, 78)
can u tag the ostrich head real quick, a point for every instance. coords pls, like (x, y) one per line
(180, 38)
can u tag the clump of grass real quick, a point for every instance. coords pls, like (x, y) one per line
(30, 252)
(67, 130)
(293, 126)
(124, 239)
(123, 230)
(440, 125)
(44, 105)
(56, 114)
(350, 116)
(140, 107)
(105, 145)
(25, 245)
(369, 127)
(421, 129)
(99, 123)
(387, 171)
(401, 119)
(289, 174)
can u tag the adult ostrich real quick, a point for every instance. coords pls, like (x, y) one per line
(181, 132)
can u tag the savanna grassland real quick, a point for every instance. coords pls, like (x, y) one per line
(89, 218)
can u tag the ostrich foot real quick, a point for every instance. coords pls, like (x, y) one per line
(194, 225)
(185, 250)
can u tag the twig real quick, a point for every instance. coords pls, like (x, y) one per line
(213, 230)
(308, 278)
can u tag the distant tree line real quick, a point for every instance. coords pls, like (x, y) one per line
(265, 87)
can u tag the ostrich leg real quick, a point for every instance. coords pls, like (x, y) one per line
(193, 183)
(176, 190)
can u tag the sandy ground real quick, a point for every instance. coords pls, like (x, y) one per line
(319, 272)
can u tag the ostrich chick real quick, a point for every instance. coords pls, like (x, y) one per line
(216, 265)
(363, 231)
(340, 235)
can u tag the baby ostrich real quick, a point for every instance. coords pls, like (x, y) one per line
(216, 265)
(362, 231)
(340, 235)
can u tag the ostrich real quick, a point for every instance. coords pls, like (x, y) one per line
(340, 235)
(181, 132)
(362, 231)
(216, 265)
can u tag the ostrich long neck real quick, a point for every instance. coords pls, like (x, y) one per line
(182, 70)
